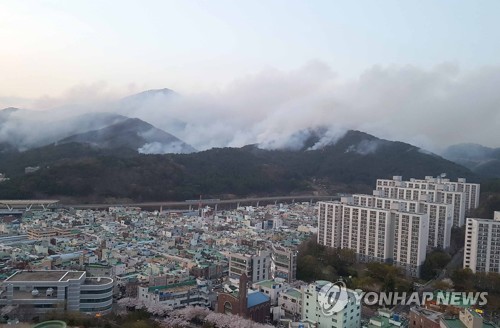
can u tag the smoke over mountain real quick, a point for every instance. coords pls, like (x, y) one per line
(431, 108)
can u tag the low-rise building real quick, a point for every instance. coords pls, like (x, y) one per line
(467, 318)
(290, 303)
(424, 318)
(348, 317)
(253, 305)
(194, 292)
(45, 291)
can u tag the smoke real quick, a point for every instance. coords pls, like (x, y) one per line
(176, 147)
(431, 108)
(365, 147)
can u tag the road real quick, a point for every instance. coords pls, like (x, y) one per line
(186, 204)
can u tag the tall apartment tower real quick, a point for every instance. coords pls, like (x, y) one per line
(482, 244)
(375, 234)
(368, 232)
(411, 231)
(330, 224)
(440, 215)
(461, 195)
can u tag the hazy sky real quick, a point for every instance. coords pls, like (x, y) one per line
(258, 71)
(49, 47)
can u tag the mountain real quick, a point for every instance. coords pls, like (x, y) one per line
(153, 106)
(148, 95)
(134, 134)
(88, 174)
(22, 129)
(482, 160)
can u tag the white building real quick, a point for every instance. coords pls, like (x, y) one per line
(330, 224)
(284, 262)
(368, 232)
(375, 234)
(257, 267)
(290, 303)
(461, 195)
(179, 295)
(482, 244)
(349, 317)
(271, 288)
(411, 233)
(51, 290)
(440, 215)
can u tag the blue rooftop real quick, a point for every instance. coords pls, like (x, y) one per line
(256, 298)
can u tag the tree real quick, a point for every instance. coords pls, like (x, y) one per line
(462, 279)
(434, 263)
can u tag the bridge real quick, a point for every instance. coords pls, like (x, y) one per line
(27, 204)
(195, 203)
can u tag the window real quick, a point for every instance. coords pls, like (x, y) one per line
(228, 308)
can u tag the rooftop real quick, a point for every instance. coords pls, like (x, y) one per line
(456, 323)
(295, 293)
(256, 298)
(48, 275)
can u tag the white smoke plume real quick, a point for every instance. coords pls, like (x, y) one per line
(431, 108)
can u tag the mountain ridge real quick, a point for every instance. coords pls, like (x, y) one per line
(82, 173)
(480, 159)
(130, 133)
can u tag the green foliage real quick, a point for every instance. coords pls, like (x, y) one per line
(389, 277)
(317, 262)
(462, 279)
(93, 175)
(490, 202)
(434, 262)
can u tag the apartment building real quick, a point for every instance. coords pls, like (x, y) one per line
(284, 263)
(411, 233)
(367, 231)
(375, 234)
(482, 244)
(54, 290)
(330, 223)
(349, 317)
(461, 195)
(257, 267)
(440, 215)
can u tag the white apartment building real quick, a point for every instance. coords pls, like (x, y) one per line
(411, 233)
(461, 195)
(472, 190)
(375, 234)
(482, 244)
(57, 290)
(367, 231)
(257, 267)
(330, 224)
(349, 317)
(440, 215)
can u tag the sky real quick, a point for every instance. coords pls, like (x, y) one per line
(384, 53)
